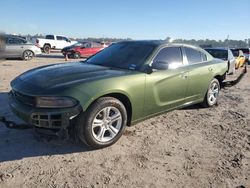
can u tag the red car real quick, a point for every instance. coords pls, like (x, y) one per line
(82, 49)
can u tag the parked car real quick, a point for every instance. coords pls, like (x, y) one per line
(83, 49)
(226, 55)
(246, 52)
(17, 47)
(123, 84)
(239, 57)
(56, 42)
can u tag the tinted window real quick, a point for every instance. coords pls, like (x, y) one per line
(235, 52)
(64, 38)
(244, 50)
(170, 55)
(50, 37)
(86, 45)
(193, 56)
(95, 45)
(218, 53)
(59, 38)
(124, 55)
(13, 40)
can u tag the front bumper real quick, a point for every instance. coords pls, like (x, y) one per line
(56, 119)
(37, 50)
(69, 53)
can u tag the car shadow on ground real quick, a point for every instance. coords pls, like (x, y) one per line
(17, 144)
(234, 82)
(51, 55)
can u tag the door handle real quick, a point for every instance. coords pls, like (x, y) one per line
(210, 69)
(184, 76)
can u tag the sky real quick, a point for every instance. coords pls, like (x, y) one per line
(136, 19)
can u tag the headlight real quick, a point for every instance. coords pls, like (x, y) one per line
(55, 102)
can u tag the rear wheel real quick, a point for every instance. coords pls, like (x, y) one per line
(46, 48)
(212, 94)
(28, 55)
(103, 123)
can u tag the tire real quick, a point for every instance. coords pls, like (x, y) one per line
(96, 128)
(211, 97)
(77, 55)
(27, 55)
(46, 48)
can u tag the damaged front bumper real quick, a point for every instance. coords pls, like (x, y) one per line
(44, 119)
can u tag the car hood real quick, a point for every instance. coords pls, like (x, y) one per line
(63, 75)
(72, 47)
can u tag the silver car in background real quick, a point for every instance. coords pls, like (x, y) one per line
(17, 47)
(225, 54)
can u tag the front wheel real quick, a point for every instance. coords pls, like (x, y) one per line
(77, 55)
(103, 123)
(212, 94)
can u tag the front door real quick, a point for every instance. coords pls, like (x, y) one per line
(166, 89)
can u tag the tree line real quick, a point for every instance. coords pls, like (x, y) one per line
(213, 43)
(202, 42)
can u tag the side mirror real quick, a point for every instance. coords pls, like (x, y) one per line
(160, 65)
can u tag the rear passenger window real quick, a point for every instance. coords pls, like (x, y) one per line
(13, 40)
(50, 37)
(170, 55)
(193, 56)
(203, 57)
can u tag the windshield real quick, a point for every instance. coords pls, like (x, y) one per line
(124, 55)
(217, 53)
(235, 53)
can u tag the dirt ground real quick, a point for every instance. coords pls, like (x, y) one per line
(192, 147)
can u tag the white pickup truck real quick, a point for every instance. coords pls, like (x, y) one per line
(57, 42)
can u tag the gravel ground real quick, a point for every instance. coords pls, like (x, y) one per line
(192, 147)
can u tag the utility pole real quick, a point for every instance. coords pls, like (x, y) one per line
(228, 41)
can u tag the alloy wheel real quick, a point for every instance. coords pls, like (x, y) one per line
(27, 55)
(213, 93)
(107, 124)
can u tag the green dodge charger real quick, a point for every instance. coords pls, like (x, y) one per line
(124, 84)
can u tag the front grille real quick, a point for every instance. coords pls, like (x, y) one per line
(25, 99)
(47, 120)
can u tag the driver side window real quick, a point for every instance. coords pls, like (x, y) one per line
(171, 56)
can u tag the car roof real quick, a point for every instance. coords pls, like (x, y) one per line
(15, 36)
(159, 43)
(217, 48)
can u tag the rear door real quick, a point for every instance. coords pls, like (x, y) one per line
(166, 89)
(14, 47)
(86, 49)
(96, 47)
(60, 42)
(200, 73)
